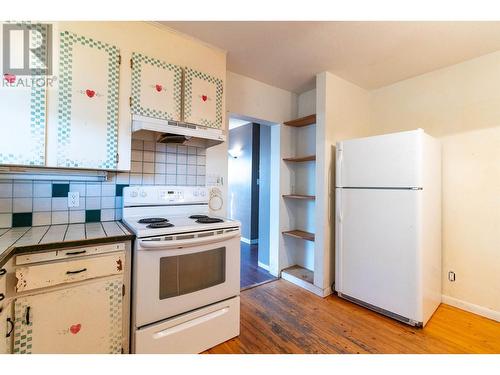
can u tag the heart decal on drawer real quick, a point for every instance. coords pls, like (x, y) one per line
(75, 328)
(204, 98)
(159, 88)
(90, 93)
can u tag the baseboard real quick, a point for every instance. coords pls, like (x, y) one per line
(250, 242)
(467, 306)
(264, 266)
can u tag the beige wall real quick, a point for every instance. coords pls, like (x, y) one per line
(461, 106)
(343, 111)
(251, 98)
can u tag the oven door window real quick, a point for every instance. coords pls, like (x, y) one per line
(189, 273)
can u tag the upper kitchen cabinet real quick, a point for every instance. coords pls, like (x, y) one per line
(23, 109)
(87, 128)
(202, 99)
(156, 88)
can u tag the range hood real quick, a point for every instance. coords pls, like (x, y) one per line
(172, 132)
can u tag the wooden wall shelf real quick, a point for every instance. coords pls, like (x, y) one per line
(300, 196)
(300, 234)
(299, 273)
(301, 158)
(303, 121)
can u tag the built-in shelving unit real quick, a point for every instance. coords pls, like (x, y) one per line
(299, 196)
(299, 276)
(303, 121)
(301, 159)
(300, 234)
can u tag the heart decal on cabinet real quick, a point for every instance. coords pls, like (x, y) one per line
(159, 88)
(204, 98)
(74, 329)
(11, 78)
(90, 93)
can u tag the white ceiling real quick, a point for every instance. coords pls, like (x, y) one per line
(370, 54)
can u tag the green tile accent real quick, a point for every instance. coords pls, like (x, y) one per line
(60, 190)
(22, 219)
(92, 216)
(119, 189)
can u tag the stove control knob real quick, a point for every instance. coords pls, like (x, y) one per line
(133, 194)
(203, 193)
(195, 193)
(143, 194)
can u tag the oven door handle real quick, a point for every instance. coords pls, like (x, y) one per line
(177, 244)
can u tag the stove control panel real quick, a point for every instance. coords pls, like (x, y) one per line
(161, 195)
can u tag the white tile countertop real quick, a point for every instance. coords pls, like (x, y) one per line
(29, 239)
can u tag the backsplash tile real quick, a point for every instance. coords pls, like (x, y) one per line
(22, 219)
(45, 202)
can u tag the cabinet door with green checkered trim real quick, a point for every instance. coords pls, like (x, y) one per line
(23, 109)
(85, 319)
(202, 99)
(156, 88)
(87, 132)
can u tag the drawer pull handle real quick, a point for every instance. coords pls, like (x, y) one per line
(74, 272)
(3, 271)
(76, 252)
(9, 320)
(28, 315)
(2, 296)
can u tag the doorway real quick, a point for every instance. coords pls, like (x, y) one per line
(249, 176)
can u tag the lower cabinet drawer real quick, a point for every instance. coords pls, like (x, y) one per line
(51, 274)
(192, 332)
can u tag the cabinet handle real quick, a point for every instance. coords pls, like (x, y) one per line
(9, 320)
(28, 315)
(2, 296)
(76, 252)
(3, 271)
(73, 272)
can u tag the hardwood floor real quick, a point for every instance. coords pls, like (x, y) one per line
(251, 273)
(279, 317)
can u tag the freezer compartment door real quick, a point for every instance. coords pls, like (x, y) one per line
(377, 248)
(391, 160)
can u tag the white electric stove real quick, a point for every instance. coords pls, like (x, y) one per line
(186, 270)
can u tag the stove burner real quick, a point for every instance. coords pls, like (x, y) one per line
(149, 220)
(162, 224)
(209, 220)
(198, 217)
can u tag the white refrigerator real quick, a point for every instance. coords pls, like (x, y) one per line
(388, 224)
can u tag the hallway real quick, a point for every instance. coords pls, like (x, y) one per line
(251, 273)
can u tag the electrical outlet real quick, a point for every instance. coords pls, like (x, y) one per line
(73, 199)
(451, 276)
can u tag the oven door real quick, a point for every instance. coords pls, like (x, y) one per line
(181, 273)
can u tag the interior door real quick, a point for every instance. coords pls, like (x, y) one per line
(156, 88)
(90, 320)
(87, 134)
(23, 109)
(391, 160)
(377, 244)
(202, 99)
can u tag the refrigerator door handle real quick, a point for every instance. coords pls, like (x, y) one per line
(339, 205)
(340, 154)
